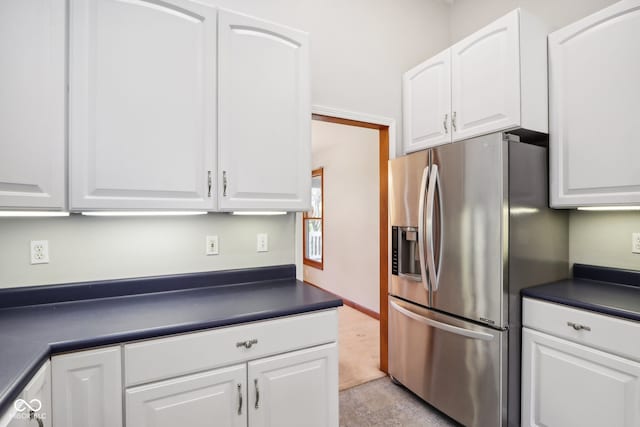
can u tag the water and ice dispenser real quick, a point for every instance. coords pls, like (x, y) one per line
(405, 255)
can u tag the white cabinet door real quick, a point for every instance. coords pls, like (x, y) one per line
(295, 389)
(209, 399)
(427, 103)
(594, 66)
(485, 79)
(32, 104)
(264, 115)
(33, 406)
(142, 104)
(38, 394)
(87, 388)
(571, 385)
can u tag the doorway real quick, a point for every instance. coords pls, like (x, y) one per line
(313, 226)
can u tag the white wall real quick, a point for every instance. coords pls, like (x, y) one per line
(468, 16)
(359, 49)
(92, 248)
(349, 156)
(603, 238)
(598, 238)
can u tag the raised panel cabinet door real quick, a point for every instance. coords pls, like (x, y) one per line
(87, 388)
(485, 79)
(295, 389)
(571, 385)
(264, 115)
(208, 399)
(426, 98)
(38, 394)
(594, 105)
(32, 104)
(142, 76)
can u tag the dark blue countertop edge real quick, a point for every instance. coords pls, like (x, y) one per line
(48, 294)
(606, 274)
(606, 290)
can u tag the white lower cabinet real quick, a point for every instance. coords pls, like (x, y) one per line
(295, 389)
(214, 398)
(567, 381)
(298, 388)
(32, 407)
(87, 388)
(273, 373)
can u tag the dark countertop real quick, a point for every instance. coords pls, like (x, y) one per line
(604, 290)
(29, 334)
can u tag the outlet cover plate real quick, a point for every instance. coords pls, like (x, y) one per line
(262, 242)
(635, 243)
(39, 251)
(212, 245)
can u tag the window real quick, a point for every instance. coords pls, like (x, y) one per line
(313, 223)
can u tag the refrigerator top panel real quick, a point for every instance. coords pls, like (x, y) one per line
(467, 225)
(405, 174)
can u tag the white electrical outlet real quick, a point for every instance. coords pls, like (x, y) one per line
(212, 245)
(39, 252)
(262, 244)
(635, 243)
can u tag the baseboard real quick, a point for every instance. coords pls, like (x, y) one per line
(350, 303)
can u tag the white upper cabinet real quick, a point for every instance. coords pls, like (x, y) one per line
(427, 103)
(594, 66)
(264, 106)
(499, 78)
(142, 112)
(32, 104)
(492, 80)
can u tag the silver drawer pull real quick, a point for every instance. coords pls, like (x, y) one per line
(578, 326)
(247, 344)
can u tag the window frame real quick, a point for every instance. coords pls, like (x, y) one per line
(306, 217)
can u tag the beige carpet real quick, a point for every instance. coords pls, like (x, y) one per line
(359, 348)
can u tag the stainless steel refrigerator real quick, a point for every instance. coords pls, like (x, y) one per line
(470, 227)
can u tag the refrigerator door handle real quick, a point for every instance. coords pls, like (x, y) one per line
(421, 249)
(440, 325)
(434, 183)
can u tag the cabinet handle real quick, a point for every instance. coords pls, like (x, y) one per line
(255, 382)
(224, 183)
(453, 122)
(209, 182)
(578, 326)
(444, 123)
(247, 344)
(239, 399)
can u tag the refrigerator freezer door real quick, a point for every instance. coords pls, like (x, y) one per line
(406, 196)
(468, 228)
(457, 366)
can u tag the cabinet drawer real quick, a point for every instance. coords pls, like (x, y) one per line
(157, 359)
(611, 334)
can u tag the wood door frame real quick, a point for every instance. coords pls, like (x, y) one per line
(387, 146)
